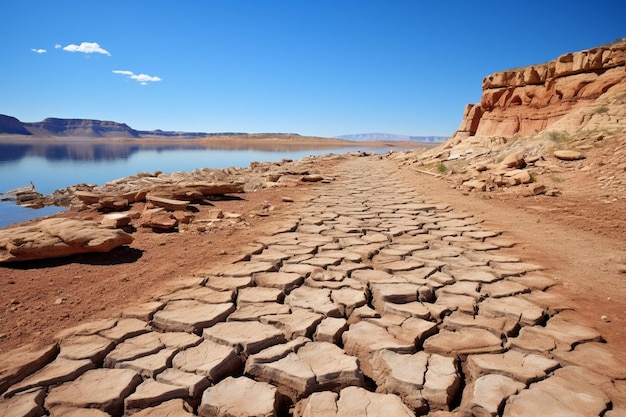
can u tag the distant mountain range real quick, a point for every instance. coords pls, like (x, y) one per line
(392, 137)
(86, 128)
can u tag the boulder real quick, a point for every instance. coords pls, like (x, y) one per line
(568, 155)
(56, 238)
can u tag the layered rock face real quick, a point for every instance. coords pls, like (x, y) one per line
(528, 100)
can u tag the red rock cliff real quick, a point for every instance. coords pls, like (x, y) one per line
(528, 100)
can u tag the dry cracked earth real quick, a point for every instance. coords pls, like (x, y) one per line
(366, 301)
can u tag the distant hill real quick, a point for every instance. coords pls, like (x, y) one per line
(392, 137)
(87, 128)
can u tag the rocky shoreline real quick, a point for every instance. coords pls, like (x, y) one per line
(365, 293)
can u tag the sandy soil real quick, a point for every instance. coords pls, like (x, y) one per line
(577, 236)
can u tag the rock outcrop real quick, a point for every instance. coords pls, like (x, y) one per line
(55, 238)
(528, 100)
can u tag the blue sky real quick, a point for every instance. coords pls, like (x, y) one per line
(322, 68)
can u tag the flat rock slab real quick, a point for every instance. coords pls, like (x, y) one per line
(314, 299)
(518, 308)
(299, 322)
(149, 366)
(363, 339)
(92, 347)
(594, 356)
(499, 326)
(563, 394)
(284, 281)
(246, 337)
(252, 311)
(316, 366)
(259, 295)
(210, 359)
(56, 372)
(464, 341)
(193, 383)
(29, 404)
(104, 389)
(523, 367)
(152, 392)
(191, 315)
(352, 401)
(171, 408)
(240, 397)
(55, 238)
(490, 392)
(23, 361)
(424, 382)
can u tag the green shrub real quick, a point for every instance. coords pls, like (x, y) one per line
(601, 110)
(441, 167)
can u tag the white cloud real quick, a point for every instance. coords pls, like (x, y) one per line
(39, 51)
(57, 46)
(143, 79)
(87, 48)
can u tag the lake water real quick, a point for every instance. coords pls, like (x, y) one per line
(56, 166)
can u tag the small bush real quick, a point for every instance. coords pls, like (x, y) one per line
(559, 137)
(601, 110)
(441, 167)
(533, 178)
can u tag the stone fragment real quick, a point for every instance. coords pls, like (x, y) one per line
(151, 393)
(246, 337)
(150, 365)
(16, 364)
(171, 408)
(56, 372)
(252, 311)
(191, 316)
(394, 293)
(299, 322)
(515, 307)
(595, 356)
(125, 328)
(559, 395)
(284, 281)
(412, 309)
(246, 269)
(240, 397)
(228, 283)
(316, 366)
(474, 275)
(504, 288)
(85, 329)
(58, 237)
(442, 382)
(463, 342)
(143, 311)
(29, 404)
(565, 334)
(203, 294)
(193, 383)
(499, 326)
(330, 330)
(167, 203)
(115, 220)
(211, 359)
(490, 392)
(104, 389)
(352, 401)
(259, 295)
(363, 339)
(92, 347)
(133, 348)
(403, 375)
(523, 367)
(315, 299)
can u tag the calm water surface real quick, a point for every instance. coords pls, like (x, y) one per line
(52, 167)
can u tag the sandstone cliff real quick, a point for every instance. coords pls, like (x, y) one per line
(528, 100)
